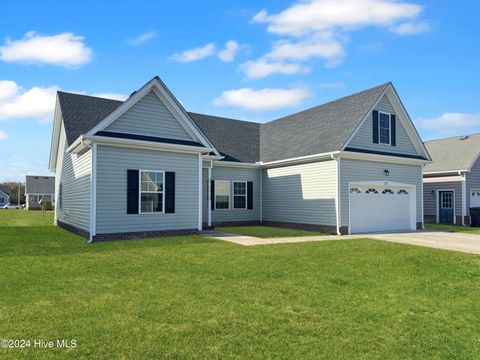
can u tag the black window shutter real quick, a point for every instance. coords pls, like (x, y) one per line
(375, 126)
(212, 194)
(250, 195)
(132, 191)
(393, 130)
(169, 192)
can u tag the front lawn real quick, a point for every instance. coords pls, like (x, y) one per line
(267, 231)
(194, 297)
(454, 228)
(25, 218)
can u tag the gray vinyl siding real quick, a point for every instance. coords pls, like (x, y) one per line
(112, 166)
(363, 139)
(73, 171)
(430, 199)
(473, 181)
(302, 194)
(4, 197)
(149, 116)
(357, 170)
(238, 174)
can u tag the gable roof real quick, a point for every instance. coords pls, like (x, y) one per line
(332, 123)
(453, 154)
(237, 140)
(5, 189)
(39, 184)
(81, 112)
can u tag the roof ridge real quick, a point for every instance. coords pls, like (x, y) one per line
(223, 117)
(90, 96)
(452, 137)
(332, 101)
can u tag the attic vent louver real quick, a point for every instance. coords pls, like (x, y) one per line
(464, 137)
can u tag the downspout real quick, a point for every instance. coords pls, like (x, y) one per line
(93, 192)
(209, 195)
(464, 196)
(338, 194)
(200, 176)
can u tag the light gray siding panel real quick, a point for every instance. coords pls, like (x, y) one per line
(430, 199)
(112, 166)
(301, 193)
(73, 171)
(238, 174)
(363, 139)
(149, 116)
(473, 181)
(357, 170)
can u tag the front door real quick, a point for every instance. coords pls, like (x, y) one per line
(445, 207)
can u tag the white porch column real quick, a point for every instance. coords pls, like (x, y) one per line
(200, 176)
(209, 196)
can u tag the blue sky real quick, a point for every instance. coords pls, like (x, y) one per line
(254, 60)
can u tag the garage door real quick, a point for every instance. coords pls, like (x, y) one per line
(380, 208)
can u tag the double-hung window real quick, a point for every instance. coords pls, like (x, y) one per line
(222, 194)
(384, 128)
(239, 195)
(151, 191)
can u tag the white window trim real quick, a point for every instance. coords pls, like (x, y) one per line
(151, 192)
(229, 195)
(389, 129)
(233, 195)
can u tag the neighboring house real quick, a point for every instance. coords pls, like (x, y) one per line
(146, 167)
(39, 188)
(4, 195)
(452, 182)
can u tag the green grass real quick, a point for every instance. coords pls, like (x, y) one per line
(267, 231)
(25, 218)
(454, 228)
(194, 297)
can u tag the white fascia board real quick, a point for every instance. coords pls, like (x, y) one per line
(86, 141)
(440, 179)
(452, 172)
(300, 159)
(381, 158)
(57, 126)
(235, 164)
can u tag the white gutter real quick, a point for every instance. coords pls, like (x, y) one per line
(300, 159)
(86, 141)
(445, 172)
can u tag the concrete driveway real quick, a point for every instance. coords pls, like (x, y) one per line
(469, 243)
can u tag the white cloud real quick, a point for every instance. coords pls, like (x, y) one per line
(322, 45)
(262, 100)
(195, 54)
(412, 28)
(319, 15)
(111, 95)
(142, 38)
(228, 54)
(451, 123)
(65, 49)
(3, 135)
(262, 67)
(16, 102)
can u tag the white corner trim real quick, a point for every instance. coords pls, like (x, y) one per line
(338, 197)
(93, 193)
(56, 130)
(464, 198)
(209, 196)
(261, 195)
(200, 178)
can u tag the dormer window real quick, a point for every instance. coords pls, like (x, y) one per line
(384, 128)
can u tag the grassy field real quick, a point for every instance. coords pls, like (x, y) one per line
(454, 228)
(267, 232)
(194, 297)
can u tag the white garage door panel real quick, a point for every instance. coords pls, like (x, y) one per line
(380, 212)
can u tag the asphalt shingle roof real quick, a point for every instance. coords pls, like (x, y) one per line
(39, 184)
(237, 140)
(317, 130)
(454, 153)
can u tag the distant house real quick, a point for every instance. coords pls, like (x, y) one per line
(452, 181)
(4, 195)
(39, 188)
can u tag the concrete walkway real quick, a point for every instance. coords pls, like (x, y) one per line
(469, 243)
